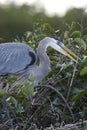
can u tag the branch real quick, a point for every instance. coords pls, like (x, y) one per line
(62, 97)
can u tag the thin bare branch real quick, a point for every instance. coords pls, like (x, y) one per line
(62, 97)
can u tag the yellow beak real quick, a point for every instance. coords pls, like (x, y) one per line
(69, 53)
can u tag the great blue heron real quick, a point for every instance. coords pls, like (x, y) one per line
(21, 60)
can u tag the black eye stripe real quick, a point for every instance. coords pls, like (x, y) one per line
(56, 38)
(58, 41)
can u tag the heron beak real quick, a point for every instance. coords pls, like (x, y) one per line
(68, 52)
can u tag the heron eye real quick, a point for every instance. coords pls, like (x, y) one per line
(57, 39)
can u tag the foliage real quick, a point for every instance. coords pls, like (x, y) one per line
(68, 79)
(16, 20)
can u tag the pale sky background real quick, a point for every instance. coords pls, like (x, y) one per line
(51, 6)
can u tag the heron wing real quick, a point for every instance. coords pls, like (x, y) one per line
(15, 57)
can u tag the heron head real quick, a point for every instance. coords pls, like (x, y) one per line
(59, 46)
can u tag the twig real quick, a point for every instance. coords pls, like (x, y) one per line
(62, 97)
(72, 125)
(71, 82)
(68, 126)
(5, 105)
(70, 86)
(1, 118)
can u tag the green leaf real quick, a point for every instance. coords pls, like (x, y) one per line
(83, 71)
(80, 41)
(12, 79)
(83, 63)
(19, 108)
(81, 93)
(2, 91)
(31, 79)
(26, 89)
(13, 101)
(76, 34)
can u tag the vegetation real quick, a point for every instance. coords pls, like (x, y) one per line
(16, 20)
(61, 98)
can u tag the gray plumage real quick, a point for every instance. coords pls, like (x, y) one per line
(14, 57)
(19, 59)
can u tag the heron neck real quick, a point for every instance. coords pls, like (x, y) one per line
(43, 57)
(44, 63)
